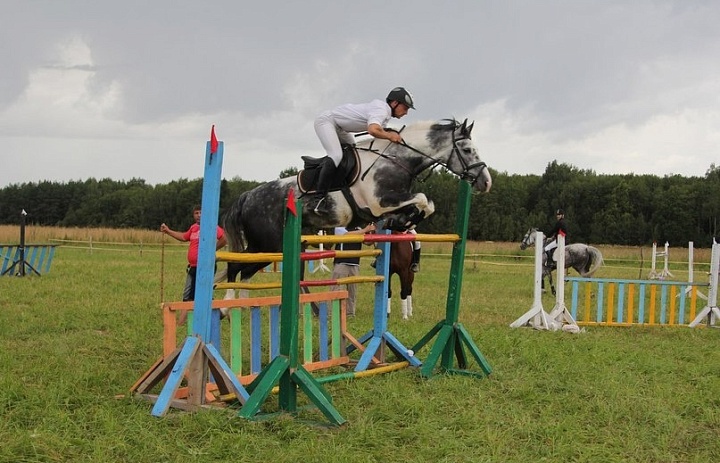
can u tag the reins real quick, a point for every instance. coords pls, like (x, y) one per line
(464, 175)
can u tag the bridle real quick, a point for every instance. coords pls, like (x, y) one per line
(466, 168)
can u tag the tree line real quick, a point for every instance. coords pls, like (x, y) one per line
(624, 209)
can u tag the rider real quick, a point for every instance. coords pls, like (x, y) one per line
(552, 237)
(335, 126)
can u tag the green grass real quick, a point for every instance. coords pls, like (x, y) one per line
(74, 340)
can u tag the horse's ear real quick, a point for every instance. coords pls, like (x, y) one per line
(463, 127)
(470, 127)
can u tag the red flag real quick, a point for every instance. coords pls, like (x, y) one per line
(213, 141)
(291, 202)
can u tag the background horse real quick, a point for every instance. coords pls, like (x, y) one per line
(583, 258)
(254, 222)
(401, 253)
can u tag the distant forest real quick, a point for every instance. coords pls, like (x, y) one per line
(600, 209)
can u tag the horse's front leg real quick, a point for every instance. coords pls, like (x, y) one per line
(424, 206)
(550, 280)
(409, 215)
(404, 212)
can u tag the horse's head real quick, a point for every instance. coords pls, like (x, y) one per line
(528, 239)
(463, 158)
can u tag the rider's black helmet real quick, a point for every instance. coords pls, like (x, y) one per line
(400, 95)
(559, 212)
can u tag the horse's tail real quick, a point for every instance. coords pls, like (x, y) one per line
(233, 225)
(595, 261)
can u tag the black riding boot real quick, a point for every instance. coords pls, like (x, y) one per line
(415, 266)
(325, 178)
(549, 262)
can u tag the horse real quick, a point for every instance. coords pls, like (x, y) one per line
(401, 253)
(586, 260)
(380, 189)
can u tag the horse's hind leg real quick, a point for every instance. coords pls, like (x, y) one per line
(406, 294)
(389, 296)
(233, 268)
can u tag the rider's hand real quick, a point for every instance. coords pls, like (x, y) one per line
(395, 137)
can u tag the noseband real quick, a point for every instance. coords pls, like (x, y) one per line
(465, 174)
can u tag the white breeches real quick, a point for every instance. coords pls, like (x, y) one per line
(331, 136)
(551, 245)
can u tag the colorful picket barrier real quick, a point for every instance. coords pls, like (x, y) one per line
(252, 335)
(622, 302)
(35, 258)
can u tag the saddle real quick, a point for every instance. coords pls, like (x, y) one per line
(346, 174)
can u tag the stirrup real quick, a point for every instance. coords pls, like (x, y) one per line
(320, 206)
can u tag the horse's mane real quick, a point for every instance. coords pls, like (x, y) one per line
(426, 126)
(415, 130)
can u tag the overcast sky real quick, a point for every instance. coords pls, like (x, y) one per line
(129, 89)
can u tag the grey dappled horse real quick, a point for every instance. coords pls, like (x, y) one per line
(583, 258)
(381, 190)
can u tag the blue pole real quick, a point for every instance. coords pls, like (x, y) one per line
(202, 316)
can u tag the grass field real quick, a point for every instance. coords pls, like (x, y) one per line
(74, 341)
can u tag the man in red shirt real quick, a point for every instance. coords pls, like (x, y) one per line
(193, 236)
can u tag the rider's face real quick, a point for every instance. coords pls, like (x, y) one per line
(399, 109)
